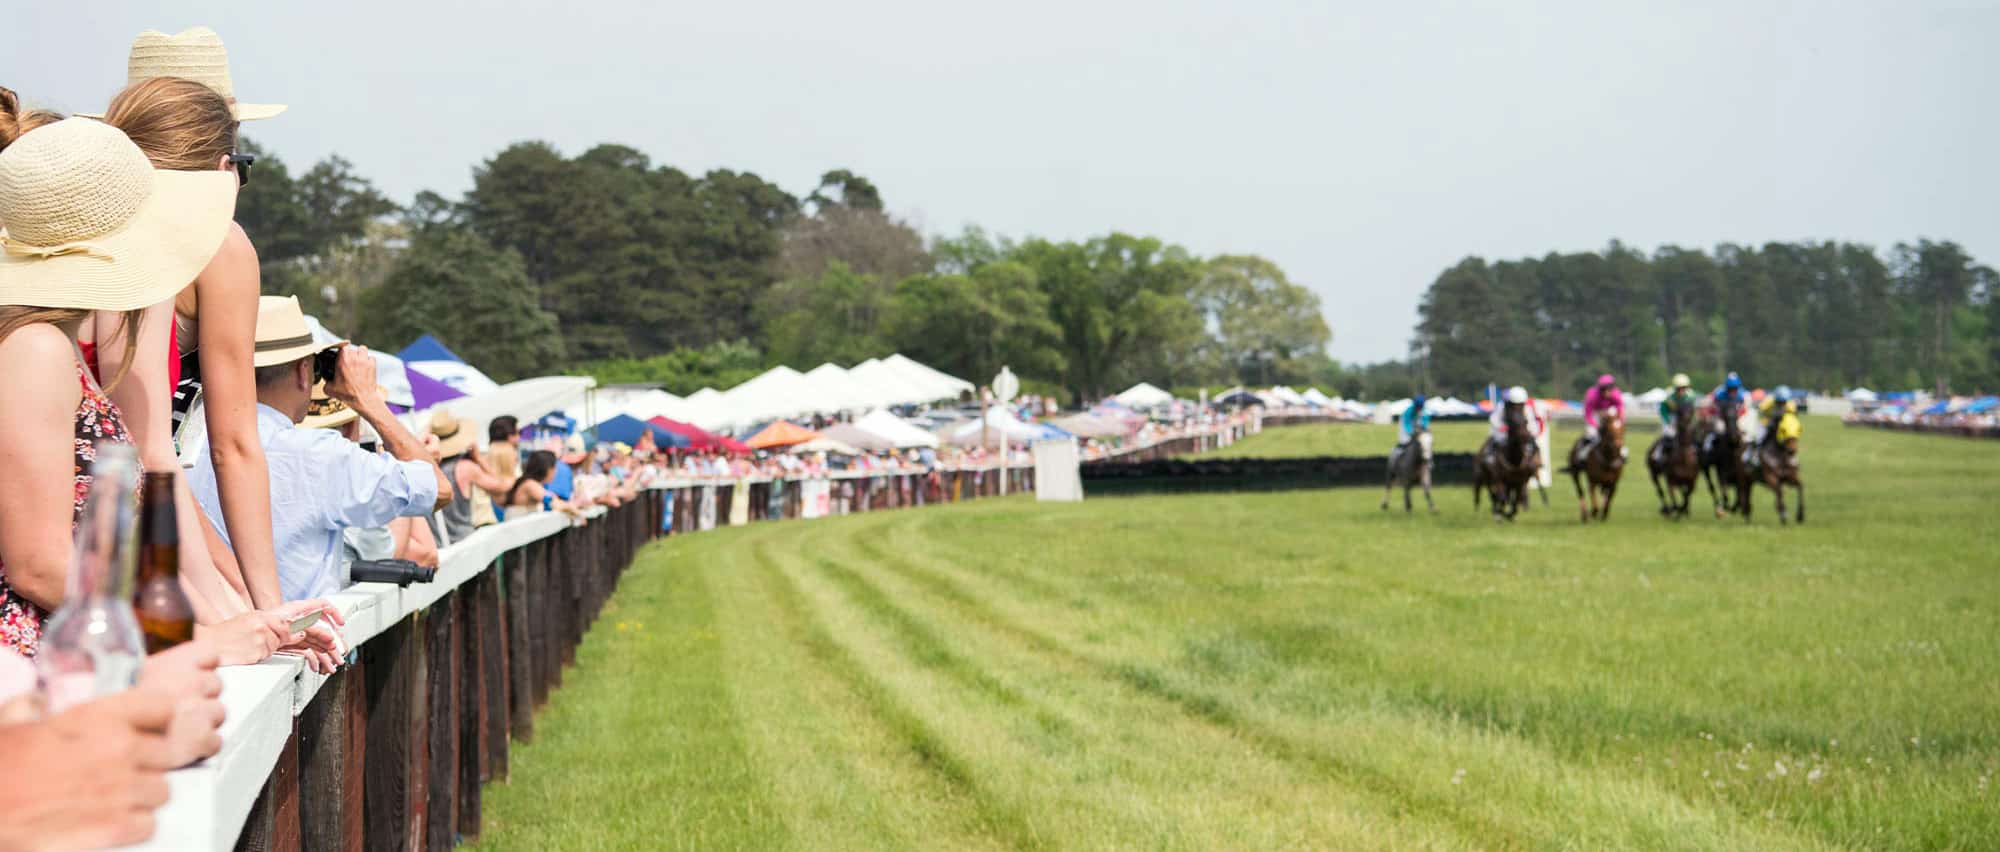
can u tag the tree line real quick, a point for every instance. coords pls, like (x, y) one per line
(609, 264)
(1821, 315)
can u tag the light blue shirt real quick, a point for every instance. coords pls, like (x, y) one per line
(321, 484)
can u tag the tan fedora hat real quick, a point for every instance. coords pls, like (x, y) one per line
(325, 412)
(282, 333)
(91, 224)
(194, 54)
(453, 437)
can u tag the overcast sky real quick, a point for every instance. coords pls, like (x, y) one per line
(1364, 147)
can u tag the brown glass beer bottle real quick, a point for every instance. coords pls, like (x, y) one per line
(165, 616)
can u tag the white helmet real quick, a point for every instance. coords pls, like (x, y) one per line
(1517, 394)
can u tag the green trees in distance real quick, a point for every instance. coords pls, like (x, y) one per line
(1821, 315)
(607, 263)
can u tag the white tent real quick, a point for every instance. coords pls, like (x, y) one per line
(835, 390)
(779, 392)
(1313, 397)
(943, 385)
(1288, 396)
(999, 424)
(640, 403)
(1861, 395)
(897, 430)
(888, 386)
(526, 400)
(1143, 395)
(1652, 397)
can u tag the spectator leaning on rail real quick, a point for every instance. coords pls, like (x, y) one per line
(322, 483)
(402, 538)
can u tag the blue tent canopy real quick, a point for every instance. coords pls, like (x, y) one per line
(1983, 405)
(626, 429)
(428, 348)
(1939, 407)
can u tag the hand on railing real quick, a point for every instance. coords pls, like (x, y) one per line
(320, 643)
(252, 637)
(187, 672)
(99, 772)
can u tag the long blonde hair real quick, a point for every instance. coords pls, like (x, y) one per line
(182, 125)
(15, 121)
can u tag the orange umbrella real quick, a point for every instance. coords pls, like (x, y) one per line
(781, 434)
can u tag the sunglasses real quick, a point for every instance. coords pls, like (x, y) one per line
(242, 162)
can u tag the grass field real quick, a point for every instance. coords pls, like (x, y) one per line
(1300, 670)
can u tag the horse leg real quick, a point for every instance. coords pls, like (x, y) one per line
(1407, 508)
(1388, 488)
(1426, 480)
(1582, 505)
(1778, 495)
(1708, 479)
(1610, 491)
(1800, 487)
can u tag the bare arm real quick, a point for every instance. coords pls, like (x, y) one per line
(37, 449)
(475, 474)
(354, 384)
(145, 397)
(414, 541)
(226, 296)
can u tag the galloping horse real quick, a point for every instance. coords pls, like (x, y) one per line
(1602, 466)
(1777, 467)
(1507, 468)
(1411, 466)
(1723, 462)
(1678, 462)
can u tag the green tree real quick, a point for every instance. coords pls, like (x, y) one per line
(1124, 307)
(1264, 323)
(973, 324)
(477, 299)
(839, 316)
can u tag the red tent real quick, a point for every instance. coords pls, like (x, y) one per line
(699, 438)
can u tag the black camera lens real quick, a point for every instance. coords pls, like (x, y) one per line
(326, 363)
(401, 572)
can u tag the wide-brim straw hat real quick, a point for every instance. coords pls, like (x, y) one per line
(194, 54)
(325, 412)
(282, 333)
(453, 437)
(90, 224)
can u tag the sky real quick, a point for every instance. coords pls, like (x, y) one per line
(1364, 147)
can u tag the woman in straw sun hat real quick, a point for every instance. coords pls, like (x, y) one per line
(197, 343)
(196, 54)
(90, 225)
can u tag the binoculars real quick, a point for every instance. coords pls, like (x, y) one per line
(401, 572)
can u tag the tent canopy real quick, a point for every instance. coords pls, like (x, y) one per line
(944, 385)
(824, 444)
(848, 433)
(887, 386)
(834, 390)
(1143, 395)
(782, 433)
(627, 429)
(428, 348)
(1090, 426)
(898, 431)
(458, 375)
(699, 438)
(526, 400)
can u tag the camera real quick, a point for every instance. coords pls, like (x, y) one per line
(401, 572)
(326, 364)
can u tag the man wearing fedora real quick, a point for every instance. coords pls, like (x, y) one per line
(322, 483)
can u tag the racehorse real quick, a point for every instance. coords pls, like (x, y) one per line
(1777, 467)
(1602, 466)
(1411, 466)
(1506, 468)
(1722, 463)
(1678, 462)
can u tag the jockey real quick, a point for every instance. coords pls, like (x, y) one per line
(1413, 420)
(1779, 420)
(1682, 398)
(1603, 397)
(1516, 398)
(1728, 398)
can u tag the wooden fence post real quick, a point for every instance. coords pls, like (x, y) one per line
(520, 647)
(442, 655)
(333, 745)
(477, 656)
(395, 769)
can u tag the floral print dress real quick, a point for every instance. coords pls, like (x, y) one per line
(97, 421)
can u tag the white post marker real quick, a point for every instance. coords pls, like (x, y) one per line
(1005, 386)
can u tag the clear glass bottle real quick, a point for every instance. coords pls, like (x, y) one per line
(91, 645)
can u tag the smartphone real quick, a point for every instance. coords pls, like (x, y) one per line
(300, 624)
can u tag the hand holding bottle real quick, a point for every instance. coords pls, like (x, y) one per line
(99, 772)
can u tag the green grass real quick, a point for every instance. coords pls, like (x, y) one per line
(1301, 670)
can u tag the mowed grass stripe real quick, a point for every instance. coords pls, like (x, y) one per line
(1302, 670)
(862, 664)
(1629, 814)
(1240, 794)
(631, 752)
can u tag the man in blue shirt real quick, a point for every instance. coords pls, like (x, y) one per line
(1414, 419)
(322, 483)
